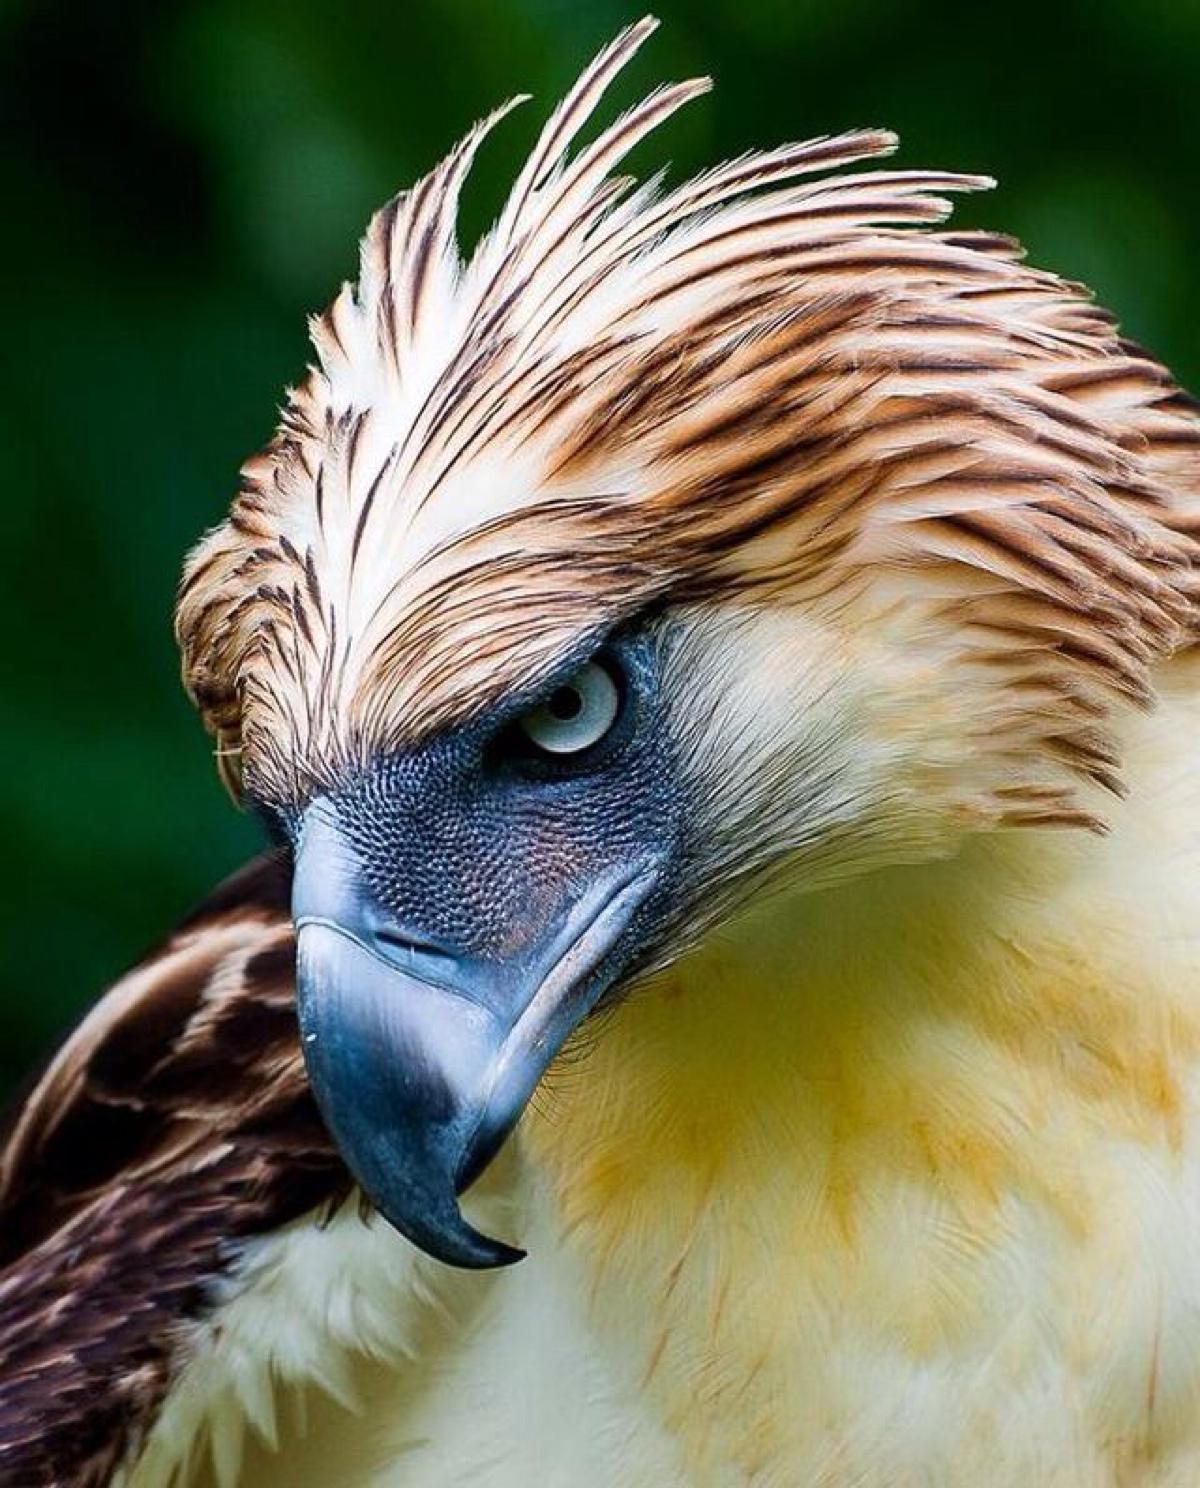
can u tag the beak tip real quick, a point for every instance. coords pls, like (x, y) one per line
(457, 1243)
(507, 1255)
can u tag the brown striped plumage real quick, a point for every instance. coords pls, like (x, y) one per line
(173, 1125)
(755, 384)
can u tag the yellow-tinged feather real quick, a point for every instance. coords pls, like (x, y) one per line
(897, 1183)
(917, 1161)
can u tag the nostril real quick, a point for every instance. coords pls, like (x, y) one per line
(397, 942)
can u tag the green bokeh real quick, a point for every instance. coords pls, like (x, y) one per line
(182, 182)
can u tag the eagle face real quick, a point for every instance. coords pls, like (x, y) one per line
(675, 547)
(461, 907)
(463, 904)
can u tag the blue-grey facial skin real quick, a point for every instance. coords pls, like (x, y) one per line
(460, 909)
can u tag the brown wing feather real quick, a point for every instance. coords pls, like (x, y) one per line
(173, 1124)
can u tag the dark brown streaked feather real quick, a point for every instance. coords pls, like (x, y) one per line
(762, 381)
(173, 1125)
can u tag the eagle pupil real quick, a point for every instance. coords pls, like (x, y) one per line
(565, 704)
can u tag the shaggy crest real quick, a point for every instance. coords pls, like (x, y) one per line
(767, 383)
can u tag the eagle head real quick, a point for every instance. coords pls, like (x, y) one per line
(679, 545)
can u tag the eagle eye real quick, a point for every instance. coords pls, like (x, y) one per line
(577, 714)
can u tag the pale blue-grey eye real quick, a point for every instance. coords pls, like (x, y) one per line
(577, 714)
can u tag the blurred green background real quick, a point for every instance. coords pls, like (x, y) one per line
(183, 180)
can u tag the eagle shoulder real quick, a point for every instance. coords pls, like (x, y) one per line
(173, 1125)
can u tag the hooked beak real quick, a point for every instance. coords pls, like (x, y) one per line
(422, 1059)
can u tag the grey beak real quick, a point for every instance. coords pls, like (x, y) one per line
(422, 1059)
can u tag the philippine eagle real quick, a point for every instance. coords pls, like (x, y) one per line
(715, 662)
